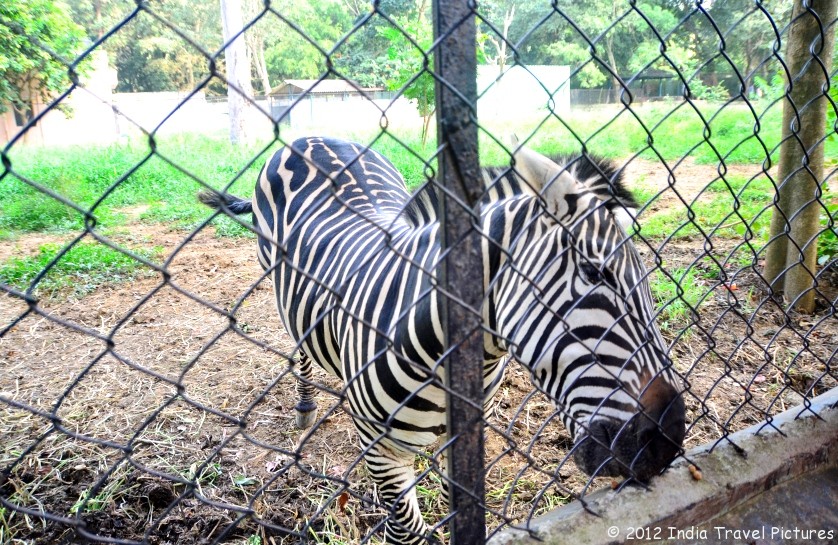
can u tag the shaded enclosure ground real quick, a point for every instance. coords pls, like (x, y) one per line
(206, 402)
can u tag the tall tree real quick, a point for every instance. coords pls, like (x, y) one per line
(409, 50)
(366, 56)
(37, 37)
(239, 88)
(791, 254)
(293, 54)
(255, 40)
(97, 16)
(500, 43)
(558, 33)
(744, 28)
(165, 46)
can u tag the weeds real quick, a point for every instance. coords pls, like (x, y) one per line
(83, 268)
(104, 498)
(677, 296)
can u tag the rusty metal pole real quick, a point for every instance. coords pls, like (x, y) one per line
(461, 272)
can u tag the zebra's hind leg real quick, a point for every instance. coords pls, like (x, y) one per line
(306, 408)
(393, 471)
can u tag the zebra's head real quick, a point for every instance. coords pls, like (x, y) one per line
(572, 303)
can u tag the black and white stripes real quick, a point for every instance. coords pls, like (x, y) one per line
(352, 257)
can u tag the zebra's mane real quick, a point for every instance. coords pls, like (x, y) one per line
(600, 175)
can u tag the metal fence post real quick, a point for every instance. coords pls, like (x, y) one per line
(461, 270)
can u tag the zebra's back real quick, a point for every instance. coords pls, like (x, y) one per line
(352, 273)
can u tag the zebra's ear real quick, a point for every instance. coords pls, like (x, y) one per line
(625, 216)
(545, 177)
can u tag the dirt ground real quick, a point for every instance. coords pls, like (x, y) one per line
(163, 410)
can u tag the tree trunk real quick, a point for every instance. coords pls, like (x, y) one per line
(238, 72)
(616, 85)
(97, 17)
(255, 42)
(262, 67)
(791, 253)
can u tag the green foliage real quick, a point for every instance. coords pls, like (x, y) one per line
(149, 55)
(288, 54)
(625, 41)
(773, 90)
(84, 267)
(715, 93)
(408, 52)
(28, 30)
(828, 239)
(408, 46)
(831, 114)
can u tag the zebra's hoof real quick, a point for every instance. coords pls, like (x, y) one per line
(305, 419)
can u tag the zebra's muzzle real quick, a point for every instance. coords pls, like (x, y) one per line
(640, 448)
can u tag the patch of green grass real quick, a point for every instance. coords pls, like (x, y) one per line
(552, 499)
(643, 192)
(109, 179)
(729, 133)
(228, 227)
(24, 208)
(708, 133)
(676, 297)
(120, 176)
(83, 268)
(828, 240)
(414, 166)
(126, 175)
(728, 208)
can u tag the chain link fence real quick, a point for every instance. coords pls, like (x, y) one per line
(149, 389)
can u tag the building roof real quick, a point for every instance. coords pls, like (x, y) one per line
(654, 73)
(294, 86)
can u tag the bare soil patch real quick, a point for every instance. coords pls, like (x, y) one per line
(162, 410)
(685, 180)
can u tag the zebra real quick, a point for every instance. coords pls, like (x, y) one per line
(351, 255)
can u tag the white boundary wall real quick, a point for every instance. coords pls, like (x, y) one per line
(97, 116)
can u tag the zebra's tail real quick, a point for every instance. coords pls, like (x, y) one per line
(225, 201)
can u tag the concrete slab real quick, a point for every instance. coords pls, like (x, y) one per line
(801, 511)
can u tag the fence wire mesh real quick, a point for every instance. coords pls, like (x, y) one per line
(148, 391)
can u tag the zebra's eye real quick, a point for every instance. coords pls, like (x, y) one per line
(591, 272)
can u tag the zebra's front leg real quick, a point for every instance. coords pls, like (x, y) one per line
(393, 471)
(306, 408)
